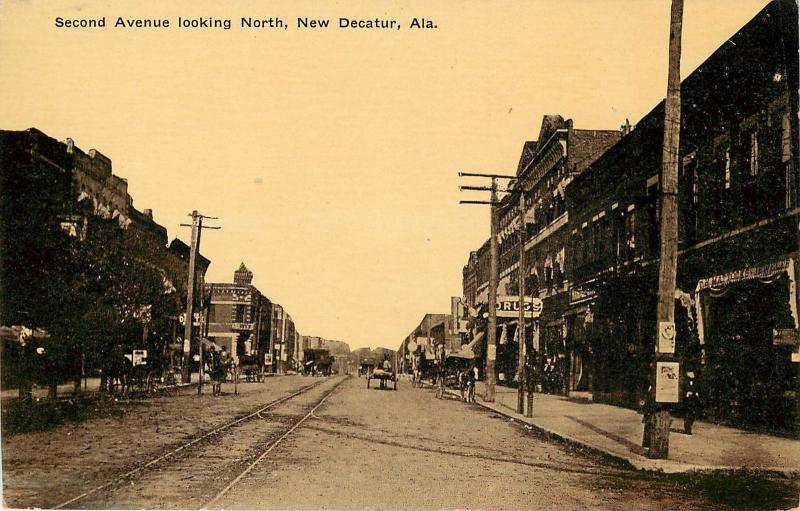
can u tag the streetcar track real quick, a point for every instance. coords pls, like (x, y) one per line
(182, 447)
(272, 445)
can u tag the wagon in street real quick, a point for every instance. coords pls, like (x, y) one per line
(384, 378)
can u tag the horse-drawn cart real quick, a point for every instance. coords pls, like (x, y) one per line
(384, 378)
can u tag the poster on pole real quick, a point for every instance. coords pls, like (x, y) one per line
(667, 382)
(491, 352)
(666, 337)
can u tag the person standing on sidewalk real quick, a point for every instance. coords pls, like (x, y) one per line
(691, 403)
(648, 409)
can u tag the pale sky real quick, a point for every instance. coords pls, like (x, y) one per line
(331, 156)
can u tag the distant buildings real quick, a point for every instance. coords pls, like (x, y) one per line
(435, 338)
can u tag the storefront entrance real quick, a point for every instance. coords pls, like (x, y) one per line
(748, 380)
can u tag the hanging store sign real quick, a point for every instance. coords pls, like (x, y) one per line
(759, 272)
(139, 357)
(667, 382)
(577, 294)
(508, 307)
(785, 337)
(241, 326)
(666, 337)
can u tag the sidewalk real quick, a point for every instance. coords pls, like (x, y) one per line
(66, 389)
(617, 433)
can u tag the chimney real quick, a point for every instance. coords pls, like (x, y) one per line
(70, 145)
(148, 213)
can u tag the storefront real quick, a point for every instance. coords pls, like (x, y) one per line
(745, 318)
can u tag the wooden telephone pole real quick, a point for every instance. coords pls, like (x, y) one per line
(665, 314)
(522, 346)
(491, 337)
(197, 227)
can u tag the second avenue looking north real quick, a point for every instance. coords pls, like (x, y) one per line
(621, 328)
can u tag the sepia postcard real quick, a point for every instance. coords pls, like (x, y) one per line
(400, 255)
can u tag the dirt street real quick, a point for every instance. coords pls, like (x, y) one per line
(360, 449)
(46, 468)
(374, 449)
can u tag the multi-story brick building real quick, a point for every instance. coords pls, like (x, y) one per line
(49, 185)
(736, 305)
(240, 318)
(545, 169)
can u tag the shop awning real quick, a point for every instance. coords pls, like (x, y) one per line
(208, 343)
(467, 351)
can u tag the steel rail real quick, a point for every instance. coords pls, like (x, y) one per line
(171, 453)
(270, 448)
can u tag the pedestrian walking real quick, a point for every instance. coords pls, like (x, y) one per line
(462, 383)
(472, 377)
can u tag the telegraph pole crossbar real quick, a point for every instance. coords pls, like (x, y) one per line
(491, 338)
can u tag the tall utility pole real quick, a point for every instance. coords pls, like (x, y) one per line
(197, 227)
(667, 271)
(491, 335)
(521, 345)
(491, 339)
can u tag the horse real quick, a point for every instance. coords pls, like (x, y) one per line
(118, 370)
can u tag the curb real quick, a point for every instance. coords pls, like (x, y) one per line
(646, 465)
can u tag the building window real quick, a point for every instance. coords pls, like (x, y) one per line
(754, 153)
(630, 232)
(559, 276)
(239, 314)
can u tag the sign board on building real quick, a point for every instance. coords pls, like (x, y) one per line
(139, 357)
(422, 341)
(186, 346)
(666, 337)
(508, 307)
(267, 358)
(759, 272)
(241, 326)
(785, 337)
(667, 382)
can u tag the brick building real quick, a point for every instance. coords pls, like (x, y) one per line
(545, 168)
(240, 318)
(736, 304)
(54, 192)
